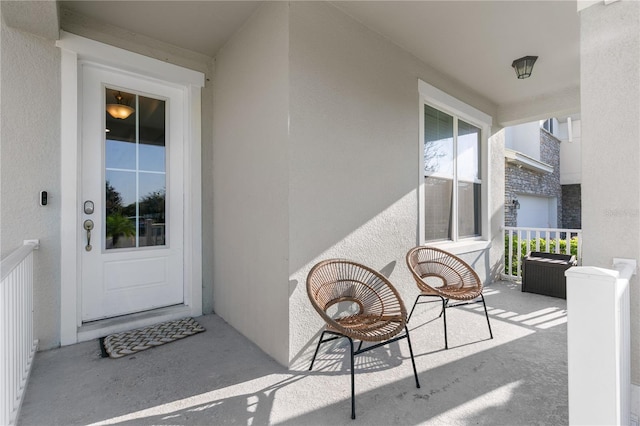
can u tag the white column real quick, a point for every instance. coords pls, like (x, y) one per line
(598, 344)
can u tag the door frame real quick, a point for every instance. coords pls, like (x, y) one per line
(74, 49)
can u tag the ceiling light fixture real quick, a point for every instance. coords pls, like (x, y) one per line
(119, 110)
(524, 66)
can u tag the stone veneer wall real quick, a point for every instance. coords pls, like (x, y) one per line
(572, 206)
(521, 181)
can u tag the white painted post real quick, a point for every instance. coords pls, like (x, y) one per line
(598, 344)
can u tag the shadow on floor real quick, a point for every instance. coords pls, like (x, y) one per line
(219, 377)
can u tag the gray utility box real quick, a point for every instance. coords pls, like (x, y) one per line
(543, 273)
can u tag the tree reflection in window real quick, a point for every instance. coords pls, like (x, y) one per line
(122, 221)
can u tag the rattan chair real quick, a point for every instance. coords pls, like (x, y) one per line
(357, 303)
(444, 275)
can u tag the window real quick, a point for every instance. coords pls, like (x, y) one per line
(452, 170)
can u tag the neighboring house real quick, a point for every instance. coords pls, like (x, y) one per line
(301, 136)
(542, 182)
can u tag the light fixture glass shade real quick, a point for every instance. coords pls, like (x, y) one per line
(119, 111)
(524, 66)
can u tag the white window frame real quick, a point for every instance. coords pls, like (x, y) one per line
(446, 103)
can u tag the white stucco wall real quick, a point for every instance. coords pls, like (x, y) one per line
(354, 167)
(30, 163)
(310, 150)
(571, 154)
(250, 180)
(524, 138)
(610, 59)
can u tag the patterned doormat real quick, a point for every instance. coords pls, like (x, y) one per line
(129, 342)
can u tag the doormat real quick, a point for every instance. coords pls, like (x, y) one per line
(129, 342)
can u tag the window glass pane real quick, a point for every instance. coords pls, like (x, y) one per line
(468, 152)
(442, 183)
(135, 170)
(152, 134)
(120, 152)
(151, 220)
(120, 209)
(469, 209)
(438, 206)
(438, 143)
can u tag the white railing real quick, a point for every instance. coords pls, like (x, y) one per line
(17, 343)
(546, 240)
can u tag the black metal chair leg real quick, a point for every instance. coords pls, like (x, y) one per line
(413, 362)
(353, 385)
(444, 317)
(414, 306)
(316, 352)
(487, 315)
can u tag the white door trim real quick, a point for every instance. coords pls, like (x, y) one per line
(75, 48)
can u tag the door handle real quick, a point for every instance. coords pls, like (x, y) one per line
(88, 226)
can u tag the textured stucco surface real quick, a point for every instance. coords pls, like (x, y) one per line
(30, 163)
(310, 150)
(354, 154)
(38, 17)
(610, 59)
(496, 204)
(250, 173)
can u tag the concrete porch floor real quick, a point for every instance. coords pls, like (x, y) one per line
(219, 377)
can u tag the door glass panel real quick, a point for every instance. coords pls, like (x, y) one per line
(151, 209)
(135, 170)
(152, 135)
(120, 197)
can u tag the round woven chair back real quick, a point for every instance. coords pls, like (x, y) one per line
(355, 300)
(438, 272)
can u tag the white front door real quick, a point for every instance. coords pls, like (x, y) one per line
(131, 193)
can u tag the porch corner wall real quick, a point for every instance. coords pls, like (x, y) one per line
(30, 163)
(496, 204)
(207, 193)
(610, 36)
(250, 180)
(354, 167)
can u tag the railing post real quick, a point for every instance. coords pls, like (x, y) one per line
(510, 253)
(598, 346)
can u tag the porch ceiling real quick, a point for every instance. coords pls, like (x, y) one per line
(472, 42)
